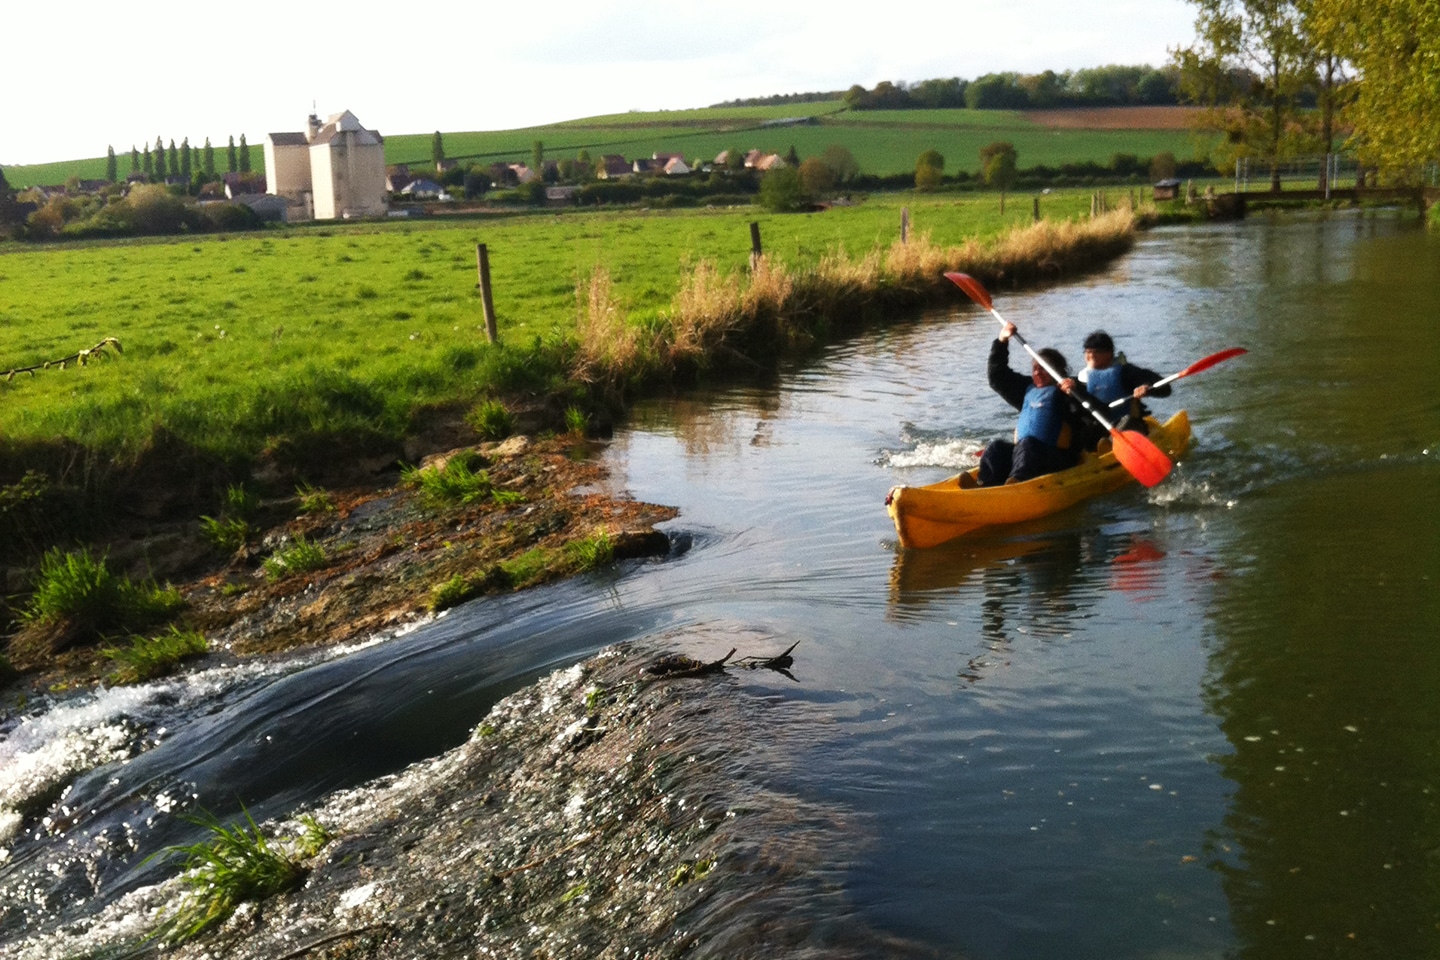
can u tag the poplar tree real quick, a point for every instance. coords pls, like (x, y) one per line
(134, 159)
(112, 166)
(174, 158)
(208, 159)
(244, 155)
(230, 155)
(437, 149)
(148, 164)
(160, 172)
(185, 164)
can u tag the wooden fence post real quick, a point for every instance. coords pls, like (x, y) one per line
(904, 224)
(755, 251)
(1037, 208)
(482, 259)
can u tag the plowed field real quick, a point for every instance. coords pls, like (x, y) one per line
(1116, 118)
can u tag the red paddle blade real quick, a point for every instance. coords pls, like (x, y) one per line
(1210, 361)
(972, 287)
(1138, 454)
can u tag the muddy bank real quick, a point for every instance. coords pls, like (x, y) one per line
(386, 551)
(605, 811)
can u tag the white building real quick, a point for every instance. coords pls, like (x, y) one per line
(334, 170)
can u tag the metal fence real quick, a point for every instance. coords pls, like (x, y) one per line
(1331, 171)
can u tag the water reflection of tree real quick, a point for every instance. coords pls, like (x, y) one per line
(704, 427)
(1324, 683)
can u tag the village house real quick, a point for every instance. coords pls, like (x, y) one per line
(334, 170)
(612, 166)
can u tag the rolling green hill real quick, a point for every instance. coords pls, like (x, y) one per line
(883, 142)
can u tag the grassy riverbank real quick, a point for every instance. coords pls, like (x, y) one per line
(236, 345)
(303, 359)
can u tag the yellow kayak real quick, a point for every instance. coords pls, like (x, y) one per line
(930, 515)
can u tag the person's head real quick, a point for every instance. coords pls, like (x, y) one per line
(1056, 359)
(1099, 350)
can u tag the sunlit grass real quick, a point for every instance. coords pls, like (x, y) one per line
(148, 657)
(79, 588)
(236, 865)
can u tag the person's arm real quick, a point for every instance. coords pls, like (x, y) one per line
(1010, 385)
(1134, 378)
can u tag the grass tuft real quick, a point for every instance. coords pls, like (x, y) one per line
(237, 864)
(491, 420)
(300, 556)
(147, 658)
(457, 482)
(80, 589)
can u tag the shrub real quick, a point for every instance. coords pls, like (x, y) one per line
(81, 590)
(146, 658)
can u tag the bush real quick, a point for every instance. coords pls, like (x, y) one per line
(781, 191)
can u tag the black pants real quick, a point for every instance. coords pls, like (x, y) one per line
(1003, 460)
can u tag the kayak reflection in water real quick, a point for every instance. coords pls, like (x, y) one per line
(1050, 431)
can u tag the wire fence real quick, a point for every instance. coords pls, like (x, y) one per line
(1331, 171)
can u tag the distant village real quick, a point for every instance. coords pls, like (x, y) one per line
(335, 169)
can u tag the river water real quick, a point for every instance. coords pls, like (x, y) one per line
(1194, 721)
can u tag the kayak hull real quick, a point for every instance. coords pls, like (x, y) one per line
(931, 515)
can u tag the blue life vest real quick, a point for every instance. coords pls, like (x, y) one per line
(1040, 415)
(1106, 385)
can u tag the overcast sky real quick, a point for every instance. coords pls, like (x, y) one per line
(107, 74)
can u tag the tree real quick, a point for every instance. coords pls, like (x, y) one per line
(244, 155)
(792, 156)
(185, 159)
(1249, 64)
(734, 160)
(929, 170)
(781, 191)
(160, 169)
(134, 159)
(437, 149)
(207, 159)
(232, 160)
(816, 177)
(537, 156)
(1162, 166)
(148, 163)
(841, 162)
(9, 209)
(997, 166)
(112, 166)
(1395, 48)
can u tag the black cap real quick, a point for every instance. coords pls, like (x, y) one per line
(1100, 340)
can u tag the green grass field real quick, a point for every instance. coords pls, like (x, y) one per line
(231, 341)
(883, 142)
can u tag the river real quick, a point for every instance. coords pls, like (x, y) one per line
(1193, 721)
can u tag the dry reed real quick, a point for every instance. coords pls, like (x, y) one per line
(719, 317)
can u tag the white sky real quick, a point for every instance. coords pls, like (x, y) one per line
(117, 76)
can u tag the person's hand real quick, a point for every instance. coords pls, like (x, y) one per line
(1007, 331)
(1068, 384)
(1141, 390)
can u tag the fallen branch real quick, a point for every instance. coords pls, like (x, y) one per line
(679, 665)
(779, 662)
(81, 357)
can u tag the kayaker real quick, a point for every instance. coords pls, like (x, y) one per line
(1107, 380)
(1047, 437)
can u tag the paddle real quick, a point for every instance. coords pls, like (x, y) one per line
(1195, 367)
(1135, 451)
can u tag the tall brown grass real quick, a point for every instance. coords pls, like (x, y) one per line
(719, 319)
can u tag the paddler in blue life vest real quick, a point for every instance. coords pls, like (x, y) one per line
(1107, 379)
(1048, 434)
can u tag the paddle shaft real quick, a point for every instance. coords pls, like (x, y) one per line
(1054, 374)
(1195, 367)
